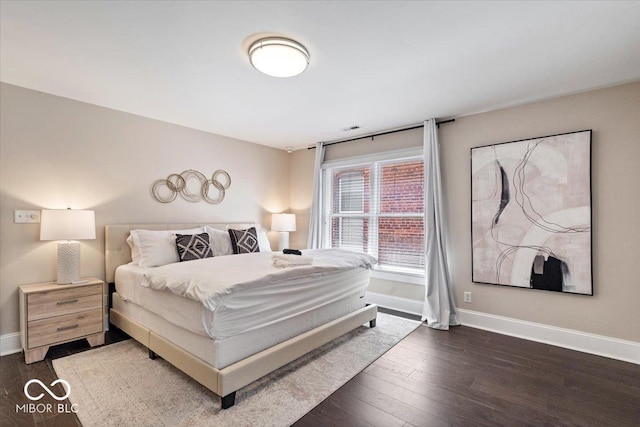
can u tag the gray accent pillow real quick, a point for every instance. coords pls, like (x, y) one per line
(193, 246)
(244, 241)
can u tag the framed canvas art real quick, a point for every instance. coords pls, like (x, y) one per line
(531, 213)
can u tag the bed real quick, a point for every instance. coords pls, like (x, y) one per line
(227, 345)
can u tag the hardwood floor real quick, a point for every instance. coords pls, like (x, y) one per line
(470, 377)
(463, 377)
(14, 374)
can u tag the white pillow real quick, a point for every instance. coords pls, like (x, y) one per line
(135, 253)
(263, 242)
(158, 247)
(220, 241)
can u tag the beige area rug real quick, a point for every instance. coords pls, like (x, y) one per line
(118, 385)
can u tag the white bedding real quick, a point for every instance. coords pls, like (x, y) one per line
(188, 314)
(222, 353)
(212, 281)
(238, 293)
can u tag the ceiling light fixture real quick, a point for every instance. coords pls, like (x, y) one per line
(278, 57)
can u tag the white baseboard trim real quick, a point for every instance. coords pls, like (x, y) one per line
(10, 343)
(628, 351)
(405, 305)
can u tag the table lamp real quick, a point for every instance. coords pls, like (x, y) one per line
(284, 223)
(68, 225)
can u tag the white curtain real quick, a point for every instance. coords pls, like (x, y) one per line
(315, 220)
(439, 308)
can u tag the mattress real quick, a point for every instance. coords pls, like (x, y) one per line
(221, 353)
(230, 320)
(188, 314)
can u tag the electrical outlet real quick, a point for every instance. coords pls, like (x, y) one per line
(26, 216)
(467, 297)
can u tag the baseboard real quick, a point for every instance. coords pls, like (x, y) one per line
(10, 343)
(628, 351)
(405, 305)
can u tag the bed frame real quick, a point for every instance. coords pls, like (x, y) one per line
(223, 382)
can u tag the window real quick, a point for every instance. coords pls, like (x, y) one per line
(377, 207)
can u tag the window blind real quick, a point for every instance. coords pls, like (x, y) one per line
(377, 207)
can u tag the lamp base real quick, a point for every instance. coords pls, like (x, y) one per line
(68, 263)
(283, 243)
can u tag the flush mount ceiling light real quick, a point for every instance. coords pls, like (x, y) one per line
(278, 57)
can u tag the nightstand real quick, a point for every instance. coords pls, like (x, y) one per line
(52, 314)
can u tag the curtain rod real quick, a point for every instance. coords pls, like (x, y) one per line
(373, 135)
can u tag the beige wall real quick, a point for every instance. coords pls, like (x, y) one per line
(56, 153)
(614, 116)
(301, 194)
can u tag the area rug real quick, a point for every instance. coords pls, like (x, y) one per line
(118, 385)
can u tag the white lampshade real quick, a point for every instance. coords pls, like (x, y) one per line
(278, 57)
(67, 224)
(283, 222)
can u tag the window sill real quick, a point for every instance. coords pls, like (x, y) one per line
(414, 279)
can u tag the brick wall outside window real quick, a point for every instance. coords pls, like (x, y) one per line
(398, 212)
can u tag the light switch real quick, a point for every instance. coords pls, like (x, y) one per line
(26, 217)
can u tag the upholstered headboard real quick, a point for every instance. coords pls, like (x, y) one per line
(117, 251)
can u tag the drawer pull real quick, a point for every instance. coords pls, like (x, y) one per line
(69, 301)
(67, 328)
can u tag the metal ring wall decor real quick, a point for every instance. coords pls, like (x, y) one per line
(176, 184)
(204, 191)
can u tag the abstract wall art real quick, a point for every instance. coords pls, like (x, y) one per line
(531, 213)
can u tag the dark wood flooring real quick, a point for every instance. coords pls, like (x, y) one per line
(463, 377)
(14, 374)
(470, 377)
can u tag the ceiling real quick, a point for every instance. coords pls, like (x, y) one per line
(378, 65)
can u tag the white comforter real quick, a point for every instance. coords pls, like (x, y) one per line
(234, 287)
(210, 279)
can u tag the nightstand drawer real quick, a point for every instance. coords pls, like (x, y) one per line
(64, 328)
(63, 301)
